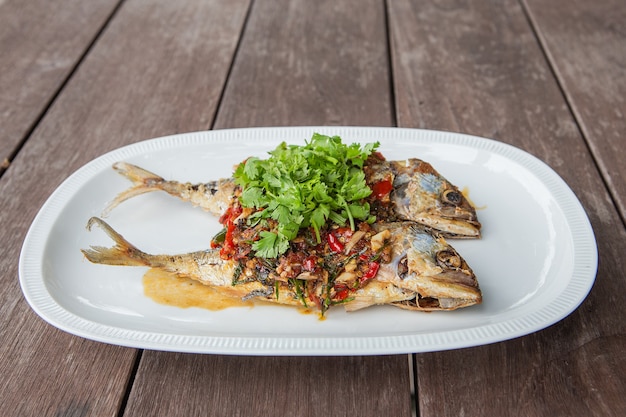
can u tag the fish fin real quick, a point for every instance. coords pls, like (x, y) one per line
(144, 182)
(136, 174)
(123, 253)
(125, 195)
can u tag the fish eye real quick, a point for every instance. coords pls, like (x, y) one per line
(448, 259)
(452, 197)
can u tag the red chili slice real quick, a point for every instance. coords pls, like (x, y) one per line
(229, 246)
(309, 263)
(228, 219)
(382, 188)
(230, 214)
(371, 272)
(334, 243)
(341, 292)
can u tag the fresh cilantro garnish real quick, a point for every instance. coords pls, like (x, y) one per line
(305, 186)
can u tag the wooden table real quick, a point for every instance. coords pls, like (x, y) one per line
(80, 78)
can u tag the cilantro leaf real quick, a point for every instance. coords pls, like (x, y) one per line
(302, 186)
(270, 245)
(252, 197)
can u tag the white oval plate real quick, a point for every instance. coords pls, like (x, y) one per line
(535, 263)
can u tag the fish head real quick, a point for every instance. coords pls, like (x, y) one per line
(423, 195)
(423, 262)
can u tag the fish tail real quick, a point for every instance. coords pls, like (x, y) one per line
(144, 182)
(122, 254)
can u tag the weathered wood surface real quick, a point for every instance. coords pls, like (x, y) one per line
(485, 74)
(295, 66)
(37, 55)
(170, 384)
(585, 42)
(305, 63)
(548, 78)
(151, 73)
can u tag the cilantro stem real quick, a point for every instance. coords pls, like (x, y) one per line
(350, 217)
(298, 289)
(318, 238)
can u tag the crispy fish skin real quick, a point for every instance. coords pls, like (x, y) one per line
(425, 272)
(423, 195)
(205, 266)
(419, 194)
(213, 196)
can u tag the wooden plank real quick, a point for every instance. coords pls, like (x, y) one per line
(586, 44)
(214, 385)
(475, 67)
(289, 71)
(158, 69)
(41, 42)
(49, 373)
(310, 64)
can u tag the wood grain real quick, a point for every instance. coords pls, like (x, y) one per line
(38, 54)
(485, 74)
(285, 73)
(586, 44)
(228, 386)
(548, 78)
(310, 63)
(158, 68)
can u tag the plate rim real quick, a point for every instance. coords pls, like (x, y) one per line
(34, 290)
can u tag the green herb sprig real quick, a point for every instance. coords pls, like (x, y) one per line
(305, 186)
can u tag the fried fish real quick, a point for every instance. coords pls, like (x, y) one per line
(400, 264)
(409, 190)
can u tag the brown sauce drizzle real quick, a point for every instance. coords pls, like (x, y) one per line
(170, 289)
